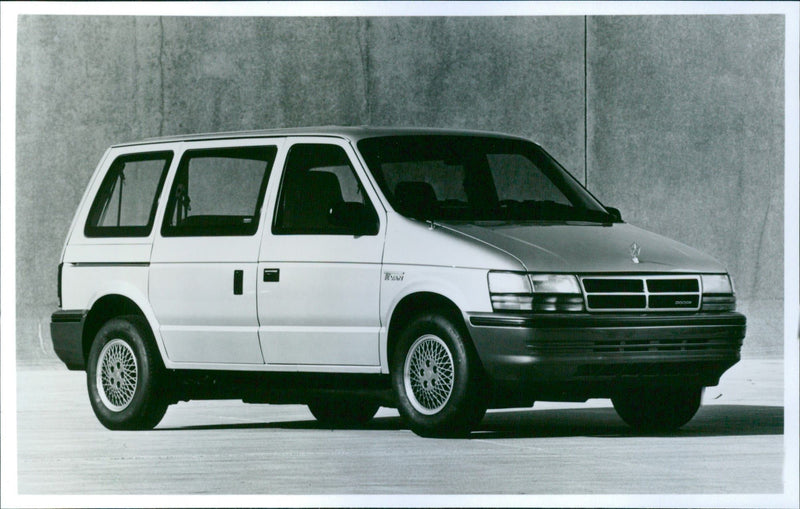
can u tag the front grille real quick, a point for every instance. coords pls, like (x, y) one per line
(641, 293)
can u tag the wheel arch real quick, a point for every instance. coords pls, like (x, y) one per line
(104, 309)
(418, 303)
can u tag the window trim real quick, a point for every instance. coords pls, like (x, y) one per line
(244, 230)
(277, 229)
(93, 230)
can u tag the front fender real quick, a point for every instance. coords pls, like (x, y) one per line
(466, 288)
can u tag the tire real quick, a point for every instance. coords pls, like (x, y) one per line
(124, 375)
(343, 412)
(658, 408)
(437, 378)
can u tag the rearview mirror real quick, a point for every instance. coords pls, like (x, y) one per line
(615, 213)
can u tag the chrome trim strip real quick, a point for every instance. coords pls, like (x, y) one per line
(109, 264)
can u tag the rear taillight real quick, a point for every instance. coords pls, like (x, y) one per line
(60, 270)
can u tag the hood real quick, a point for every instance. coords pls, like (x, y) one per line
(587, 247)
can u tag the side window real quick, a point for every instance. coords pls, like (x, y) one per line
(218, 192)
(125, 205)
(318, 182)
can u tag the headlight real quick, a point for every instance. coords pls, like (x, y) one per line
(514, 291)
(509, 282)
(555, 283)
(717, 283)
(718, 293)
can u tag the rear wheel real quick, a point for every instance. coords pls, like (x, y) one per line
(437, 378)
(124, 375)
(659, 408)
(343, 412)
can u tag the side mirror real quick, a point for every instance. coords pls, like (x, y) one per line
(354, 218)
(615, 213)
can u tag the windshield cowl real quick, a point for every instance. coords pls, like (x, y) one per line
(541, 212)
(493, 223)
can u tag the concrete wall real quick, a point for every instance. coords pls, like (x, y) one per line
(678, 120)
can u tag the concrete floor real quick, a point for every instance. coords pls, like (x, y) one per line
(734, 445)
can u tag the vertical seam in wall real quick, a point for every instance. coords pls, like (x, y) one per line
(759, 248)
(585, 106)
(161, 74)
(136, 73)
(363, 46)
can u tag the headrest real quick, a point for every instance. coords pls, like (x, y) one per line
(416, 199)
(322, 185)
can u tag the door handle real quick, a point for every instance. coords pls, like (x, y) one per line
(238, 282)
(272, 275)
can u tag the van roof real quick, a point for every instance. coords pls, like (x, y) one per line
(353, 133)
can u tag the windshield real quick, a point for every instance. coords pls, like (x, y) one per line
(475, 178)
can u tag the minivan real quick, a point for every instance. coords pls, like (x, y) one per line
(439, 272)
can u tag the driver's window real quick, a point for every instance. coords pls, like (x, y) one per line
(317, 178)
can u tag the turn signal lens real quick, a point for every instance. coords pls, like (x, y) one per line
(511, 302)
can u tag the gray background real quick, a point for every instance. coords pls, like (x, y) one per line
(676, 120)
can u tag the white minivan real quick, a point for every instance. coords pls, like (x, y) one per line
(440, 272)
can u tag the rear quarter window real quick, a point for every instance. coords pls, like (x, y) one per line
(125, 204)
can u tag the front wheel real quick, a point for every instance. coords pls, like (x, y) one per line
(124, 375)
(437, 378)
(659, 408)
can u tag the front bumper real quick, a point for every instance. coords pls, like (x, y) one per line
(579, 356)
(66, 330)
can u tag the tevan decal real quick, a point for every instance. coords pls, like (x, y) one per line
(393, 276)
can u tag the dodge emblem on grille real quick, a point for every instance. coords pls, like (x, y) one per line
(635, 250)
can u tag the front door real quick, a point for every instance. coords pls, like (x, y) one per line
(203, 268)
(319, 282)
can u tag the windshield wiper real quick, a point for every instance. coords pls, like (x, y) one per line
(548, 210)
